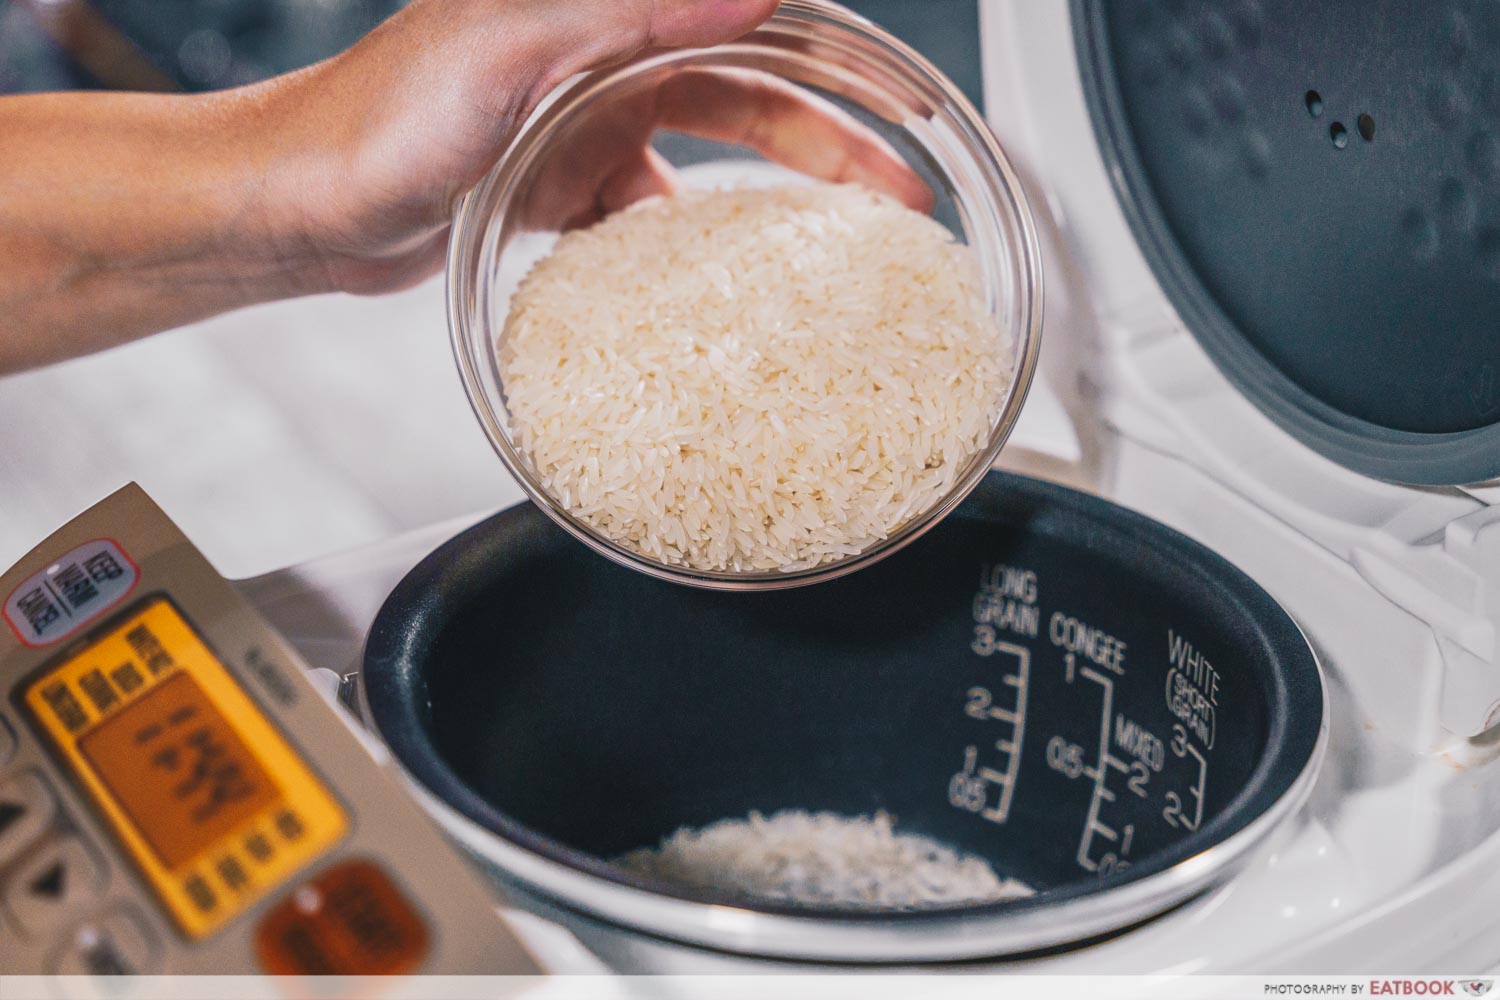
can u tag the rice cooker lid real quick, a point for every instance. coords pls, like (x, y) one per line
(1317, 189)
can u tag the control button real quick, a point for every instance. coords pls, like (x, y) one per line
(55, 885)
(116, 944)
(26, 809)
(350, 920)
(7, 742)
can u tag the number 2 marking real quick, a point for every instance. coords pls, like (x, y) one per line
(1174, 808)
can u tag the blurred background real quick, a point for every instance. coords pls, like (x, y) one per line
(172, 44)
(210, 44)
(287, 431)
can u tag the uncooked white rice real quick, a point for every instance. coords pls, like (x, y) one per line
(822, 860)
(753, 379)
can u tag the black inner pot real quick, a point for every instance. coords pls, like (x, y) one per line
(581, 709)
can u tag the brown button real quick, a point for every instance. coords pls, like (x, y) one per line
(349, 921)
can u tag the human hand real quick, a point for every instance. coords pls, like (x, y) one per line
(381, 141)
(605, 160)
(122, 214)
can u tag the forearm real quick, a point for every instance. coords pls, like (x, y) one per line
(124, 214)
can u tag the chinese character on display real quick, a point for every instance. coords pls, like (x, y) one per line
(216, 773)
(65, 706)
(207, 776)
(149, 649)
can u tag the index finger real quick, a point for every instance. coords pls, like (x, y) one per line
(789, 125)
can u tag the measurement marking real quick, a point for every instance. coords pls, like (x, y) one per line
(1092, 824)
(970, 789)
(1019, 680)
(1198, 788)
(1114, 762)
(1174, 813)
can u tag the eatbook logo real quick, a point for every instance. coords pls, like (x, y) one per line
(1477, 987)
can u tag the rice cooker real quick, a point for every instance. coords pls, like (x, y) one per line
(1229, 707)
(1269, 269)
(1268, 250)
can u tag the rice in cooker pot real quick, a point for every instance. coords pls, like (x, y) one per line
(753, 379)
(822, 860)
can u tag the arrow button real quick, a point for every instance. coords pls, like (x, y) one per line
(51, 883)
(10, 812)
(27, 807)
(55, 884)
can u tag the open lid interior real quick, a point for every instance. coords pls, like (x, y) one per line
(1317, 189)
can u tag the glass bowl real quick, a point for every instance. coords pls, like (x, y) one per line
(511, 218)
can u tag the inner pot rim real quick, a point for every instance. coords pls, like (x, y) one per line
(1298, 730)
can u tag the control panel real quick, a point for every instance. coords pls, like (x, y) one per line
(177, 797)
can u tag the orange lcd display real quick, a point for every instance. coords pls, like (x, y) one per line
(199, 786)
(178, 770)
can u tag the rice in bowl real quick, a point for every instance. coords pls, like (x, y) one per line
(753, 379)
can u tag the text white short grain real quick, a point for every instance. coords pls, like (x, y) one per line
(822, 860)
(758, 379)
